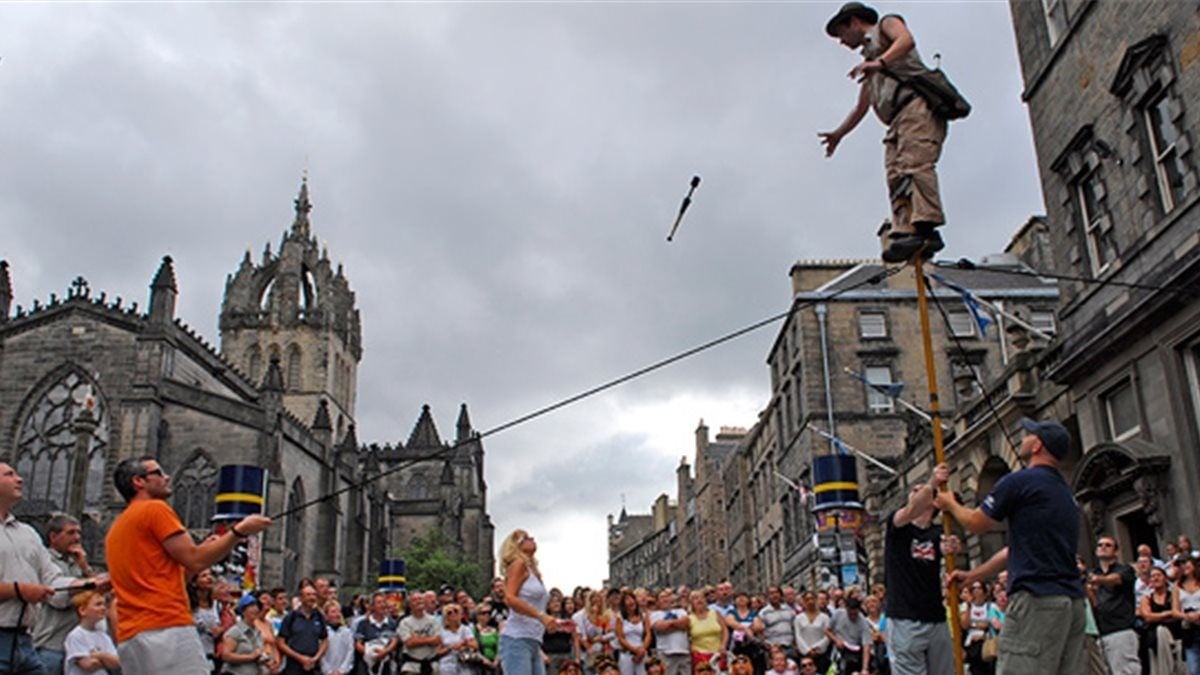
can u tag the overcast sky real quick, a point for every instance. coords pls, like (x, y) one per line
(498, 179)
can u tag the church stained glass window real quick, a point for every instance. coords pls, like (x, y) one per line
(195, 491)
(46, 443)
(293, 535)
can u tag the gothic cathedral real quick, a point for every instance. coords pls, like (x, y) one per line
(88, 380)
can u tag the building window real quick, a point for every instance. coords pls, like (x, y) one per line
(195, 492)
(1160, 147)
(254, 364)
(962, 324)
(1101, 246)
(878, 402)
(294, 365)
(1121, 411)
(872, 325)
(1191, 359)
(293, 535)
(1162, 133)
(1056, 19)
(1043, 320)
(45, 447)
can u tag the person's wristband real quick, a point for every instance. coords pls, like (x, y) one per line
(234, 530)
(882, 62)
(17, 591)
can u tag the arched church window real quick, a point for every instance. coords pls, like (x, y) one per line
(45, 447)
(293, 535)
(195, 489)
(254, 363)
(308, 290)
(293, 368)
(264, 300)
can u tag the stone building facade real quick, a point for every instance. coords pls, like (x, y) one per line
(685, 542)
(639, 550)
(873, 329)
(88, 380)
(1111, 90)
(841, 323)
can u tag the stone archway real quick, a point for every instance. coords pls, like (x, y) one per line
(1120, 490)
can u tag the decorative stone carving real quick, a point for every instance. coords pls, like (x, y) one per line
(1149, 490)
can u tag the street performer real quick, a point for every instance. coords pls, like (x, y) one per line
(916, 620)
(150, 555)
(913, 142)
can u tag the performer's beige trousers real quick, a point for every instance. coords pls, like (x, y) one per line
(912, 146)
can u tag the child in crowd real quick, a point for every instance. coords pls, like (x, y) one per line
(88, 648)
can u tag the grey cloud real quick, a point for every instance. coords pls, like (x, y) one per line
(497, 178)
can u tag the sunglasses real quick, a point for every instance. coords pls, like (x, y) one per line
(156, 472)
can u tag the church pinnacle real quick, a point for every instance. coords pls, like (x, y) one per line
(300, 226)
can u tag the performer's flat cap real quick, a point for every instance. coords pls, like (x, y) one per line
(848, 10)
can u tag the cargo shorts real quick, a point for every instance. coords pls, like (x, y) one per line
(1042, 635)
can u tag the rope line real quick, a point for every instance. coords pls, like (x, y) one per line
(588, 393)
(967, 264)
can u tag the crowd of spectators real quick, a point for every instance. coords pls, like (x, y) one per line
(1144, 619)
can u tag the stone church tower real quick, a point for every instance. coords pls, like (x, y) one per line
(87, 380)
(294, 306)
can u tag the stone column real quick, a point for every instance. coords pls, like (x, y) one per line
(84, 426)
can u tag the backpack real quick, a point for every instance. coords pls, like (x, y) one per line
(939, 92)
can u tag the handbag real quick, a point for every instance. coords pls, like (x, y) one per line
(991, 649)
(939, 92)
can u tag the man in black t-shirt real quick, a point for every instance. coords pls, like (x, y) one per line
(1046, 615)
(917, 632)
(1110, 587)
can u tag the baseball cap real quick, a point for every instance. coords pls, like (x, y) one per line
(1052, 434)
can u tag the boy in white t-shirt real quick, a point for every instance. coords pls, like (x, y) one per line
(89, 648)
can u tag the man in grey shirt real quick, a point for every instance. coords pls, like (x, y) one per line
(66, 552)
(421, 635)
(777, 619)
(850, 631)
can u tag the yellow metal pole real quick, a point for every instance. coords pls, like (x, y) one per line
(940, 454)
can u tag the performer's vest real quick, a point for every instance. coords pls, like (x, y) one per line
(885, 100)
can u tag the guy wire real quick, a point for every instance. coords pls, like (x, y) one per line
(967, 264)
(588, 393)
(962, 354)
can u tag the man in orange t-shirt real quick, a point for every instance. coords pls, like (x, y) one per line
(150, 555)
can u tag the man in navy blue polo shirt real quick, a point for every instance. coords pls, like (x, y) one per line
(375, 637)
(303, 636)
(1044, 625)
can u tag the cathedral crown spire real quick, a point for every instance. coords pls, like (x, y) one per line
(301, 225)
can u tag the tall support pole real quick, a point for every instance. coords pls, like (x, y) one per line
(935, 411)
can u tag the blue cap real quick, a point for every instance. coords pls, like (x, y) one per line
(245, 602)
(1052, 434)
